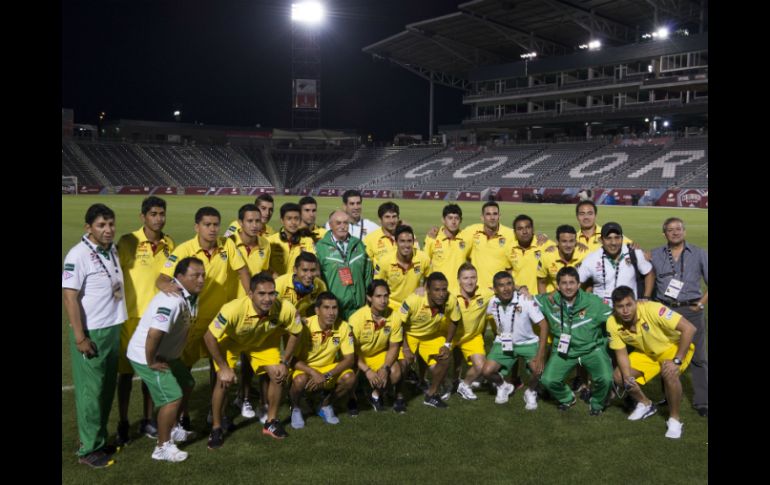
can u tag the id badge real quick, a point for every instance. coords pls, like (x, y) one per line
(674, 288)
(117, 292)
(346, 277)
(507, 341)
(563, 344)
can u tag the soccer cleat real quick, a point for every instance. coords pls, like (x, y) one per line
(148, 428)
(216, 439)
(434, 401)
(399, 406)
(96, 459)
(376, 403)
(122, 438)
(642, 411)
(274, 429)
(466, 392)
(503, 391)
(247, 411)
(564, 407)
(353, 408)
(530, 398)
(297, 421)
(169, 452)
(674, 428)
(327, 414)
(180, 435)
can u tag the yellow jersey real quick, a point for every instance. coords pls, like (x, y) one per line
(141, 265)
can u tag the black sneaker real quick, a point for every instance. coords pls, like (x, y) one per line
(399, 406)
(376, 403)
(227, 424)
(411, 377)
(216, 438)
(353, 408)
(703, 411)
(595, 412)
(662, 402)
(274, 429)
(434, 401)
(122, 439)
(577, 383)
(564, 407)
(149, 428)
(110, 449)
(585, 395)
(96, 459)
(184, 422)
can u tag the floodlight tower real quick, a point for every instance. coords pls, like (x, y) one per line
(306, 19)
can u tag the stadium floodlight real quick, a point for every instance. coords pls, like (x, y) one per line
(665, 124)
(529, 55)
(646, 120)
(177, 113)
(593, 45)
(662, 33)
(309, 12)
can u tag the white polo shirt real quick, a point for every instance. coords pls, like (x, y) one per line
(360, 229)
(171, 314)
(517, 318)
(94, 274)
(599, 268)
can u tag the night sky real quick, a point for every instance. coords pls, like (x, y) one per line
(228, 62)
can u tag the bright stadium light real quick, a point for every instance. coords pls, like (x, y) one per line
(665, 124)
(593, 45)
(528, 56)
(307, 12)
(662, 33)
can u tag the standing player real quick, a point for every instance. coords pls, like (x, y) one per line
(288, 243)
(448, 249)
(358, 226)
(567, 254)
(405, 268)
(308, 212)
(265, 204)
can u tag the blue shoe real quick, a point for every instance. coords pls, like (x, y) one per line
(297, 421)
(327, 414)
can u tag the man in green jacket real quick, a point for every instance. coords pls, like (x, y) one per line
(345, 267)
(576, 321)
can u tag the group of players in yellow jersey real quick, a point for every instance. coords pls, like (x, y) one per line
(272, 302)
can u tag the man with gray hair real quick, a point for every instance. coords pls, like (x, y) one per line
(679, 267)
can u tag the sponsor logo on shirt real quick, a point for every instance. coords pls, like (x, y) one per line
(661, 311)
(161, 318)
(220, 322)
(669, 314)
(67, 275)
(69, 267)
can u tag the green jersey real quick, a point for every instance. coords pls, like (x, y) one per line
(583, 320)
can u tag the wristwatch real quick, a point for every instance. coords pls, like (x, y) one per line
(677, 361)
(448, 345)
(701, 306)
(328, 376)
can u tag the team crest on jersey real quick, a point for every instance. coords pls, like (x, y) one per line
(582, 313)
(165, 252)
(261, 253)
(438, 244)
(461, 244)
(502, 242)
(480, 302)
(646, 327)
(416, 270)
(335, 340)
(386, 330)
(517, 309)
(628, 261)
(537, 255)
(223, 255)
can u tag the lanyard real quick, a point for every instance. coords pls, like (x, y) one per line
(570, 315)
(604, 270)
(340, 246)
(99, 258)
(671, 261)
(513, 313)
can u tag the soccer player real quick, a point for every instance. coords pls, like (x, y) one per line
(590, 231)
(288, 243)
(469, 338)
(524, 253)
(514, 317)
(254, 325)
(142, 254)
(323, 361)
(155, 350)
(567, 254)
(448, 249)
(662, 342)
(489, 252)
(383, 240)
(378, 336)
(575, 318)
(428, 334)
(301, 287)
(308, 211)
(94, 298)
(265, 204)
(405, 268)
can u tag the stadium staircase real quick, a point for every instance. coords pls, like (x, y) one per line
(158, 168)
(272, 172)
(88, 166)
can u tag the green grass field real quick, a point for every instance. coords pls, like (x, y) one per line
(470, 441)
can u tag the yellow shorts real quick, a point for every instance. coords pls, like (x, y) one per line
(470, 347)
(650, 367)
(426, 347)
(259, 357)
(330, 384)
(126, 332)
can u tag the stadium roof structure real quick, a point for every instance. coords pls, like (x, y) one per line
(446, 49)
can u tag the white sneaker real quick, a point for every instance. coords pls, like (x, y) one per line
(262, 411)
(446, 395)
(475, 385)
(180, 435)
(246, 410)
(503, 391)
(169, 452)
(642, 411)
(674, 428)
(530, 398)
(465, 391)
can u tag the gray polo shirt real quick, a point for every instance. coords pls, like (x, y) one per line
(692, 264)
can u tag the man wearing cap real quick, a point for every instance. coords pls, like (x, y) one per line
(662, 345)
(614, 265)
(679, 267)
